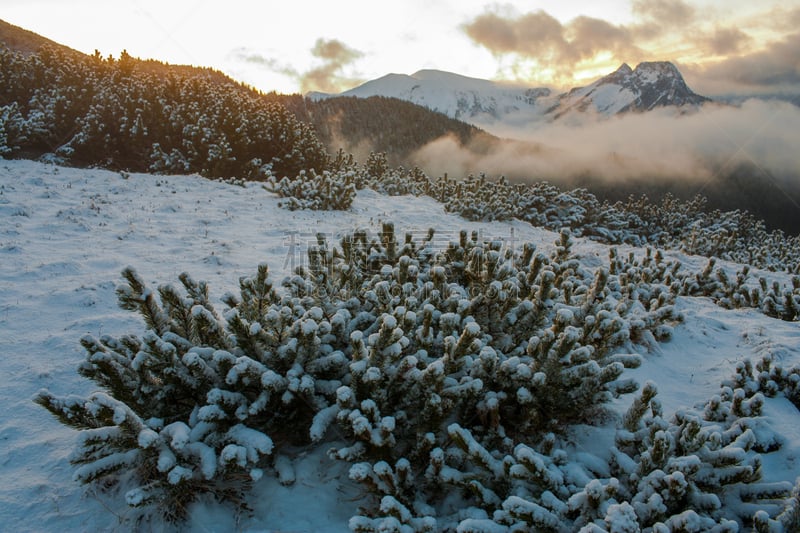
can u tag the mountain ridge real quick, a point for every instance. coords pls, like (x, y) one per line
(26, 41)
(481, 102)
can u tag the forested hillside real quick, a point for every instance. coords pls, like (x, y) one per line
(380, 124)
(121, 114)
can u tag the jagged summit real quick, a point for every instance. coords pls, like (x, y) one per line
(651, 84)
(618, 75)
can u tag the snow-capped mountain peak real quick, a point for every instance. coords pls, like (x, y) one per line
(459, 97)
(651, 84)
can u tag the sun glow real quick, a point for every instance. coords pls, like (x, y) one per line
(272, 45)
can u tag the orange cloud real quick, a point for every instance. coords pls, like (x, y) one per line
(665, 13)
(726, 41)
(540, 37)
(328, 77)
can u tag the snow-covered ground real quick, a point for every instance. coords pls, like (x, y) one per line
(65, 235)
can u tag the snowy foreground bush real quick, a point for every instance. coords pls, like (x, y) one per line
(326, 191)
(449, 379)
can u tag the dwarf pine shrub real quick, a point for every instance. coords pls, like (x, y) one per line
(324, 191)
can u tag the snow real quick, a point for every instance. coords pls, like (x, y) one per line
(66, 234)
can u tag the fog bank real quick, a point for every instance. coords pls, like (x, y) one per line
(695, 146)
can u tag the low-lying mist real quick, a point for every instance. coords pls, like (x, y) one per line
(726, 153)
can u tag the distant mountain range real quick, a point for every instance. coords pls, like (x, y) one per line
(650, 85)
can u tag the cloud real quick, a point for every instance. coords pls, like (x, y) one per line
(665, 13)
(327, 77)
(726, 41)
(783, 18)
(540, 37)
(640, 147)
(531, 34)
(776, 68)
(247, 56)
(590, 36)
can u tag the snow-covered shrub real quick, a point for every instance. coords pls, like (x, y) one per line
(392, 341)
(774, 300)
(376, 174)
(312, 190)
(477, 198)
(475, 348)
(198, 403)
(699, 471)
(10, 120)
(701, 461)
(670, 223)
(769, 378)
(399, 181)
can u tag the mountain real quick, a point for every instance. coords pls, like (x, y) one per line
(650, 85)
(483, 102)
(456, 96)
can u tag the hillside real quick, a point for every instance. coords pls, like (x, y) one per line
(383, 124)
(69, 232)
(27, 42)
(122, 114)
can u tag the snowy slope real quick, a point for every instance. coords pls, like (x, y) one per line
(459, 97)
(65, 235)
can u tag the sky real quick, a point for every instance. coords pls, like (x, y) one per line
(721, 46)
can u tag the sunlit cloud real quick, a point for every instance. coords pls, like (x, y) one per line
(564, 44)
(666, 14)
(550, 45)
(776, 67)
(726, 41)
(327, 77)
